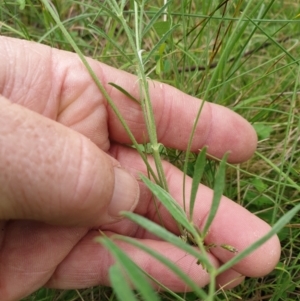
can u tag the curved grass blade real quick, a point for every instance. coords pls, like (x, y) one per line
(120, 285)
(285, 219)
(274, 41)
(279, 171)
(168, 263)
(112, 41)
(11, 29)
(172, 206)
(122, 90)
(169, 237)
(161, 40)
(218, 192)
(198, 173)
(134, 273)
(155, 17)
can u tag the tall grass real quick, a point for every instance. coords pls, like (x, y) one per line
(240, 54)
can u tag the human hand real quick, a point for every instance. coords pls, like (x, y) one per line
(61, 178)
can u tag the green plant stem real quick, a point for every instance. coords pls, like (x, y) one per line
(99, 85)
(143, 86)
(146, 100)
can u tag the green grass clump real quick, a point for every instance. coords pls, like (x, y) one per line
(240, 54)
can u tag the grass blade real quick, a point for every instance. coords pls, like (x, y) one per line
(134, 273)
(274, 42)
(285, 219)
(168, 263)
(124, 92)
(120, 285)
(218, 192)
(155, 17)
(198, 173)
(279, 171)
(169, 237)
(112, 41)
(162, 40)
(172, 206)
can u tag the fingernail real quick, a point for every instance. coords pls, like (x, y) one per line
(126, 193)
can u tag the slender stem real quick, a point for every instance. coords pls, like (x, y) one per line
(100, 86)
(146, 100)
(144, 94)
(212, 286)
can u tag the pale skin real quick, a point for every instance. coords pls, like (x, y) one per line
(65, 172)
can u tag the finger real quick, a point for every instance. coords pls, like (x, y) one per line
(218, 128)
(93, 261)
(63, 90)
(233, 225)
(229, 280)
(30, 254)
(50, 173)
(33, 250)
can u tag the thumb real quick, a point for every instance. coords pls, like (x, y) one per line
(53, 174)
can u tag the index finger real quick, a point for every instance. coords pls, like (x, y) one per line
(56, 84)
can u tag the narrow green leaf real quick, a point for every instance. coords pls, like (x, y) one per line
(198, 173)
(113, 10)
(124, 92)
(122, 5)
(168, 263)
(161, 41)
(155, 17)
(13, 30)
(112, 41)
(162, 48)
(274, 41)
(169, 237)
(285, 219)
(159, 66)
(120, 284)
(279, 171)
(172, 206)
(134, 273)
(218, 192)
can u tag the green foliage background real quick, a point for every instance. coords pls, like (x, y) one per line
(248, 62)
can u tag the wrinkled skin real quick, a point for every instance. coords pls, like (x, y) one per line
(65, 173)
